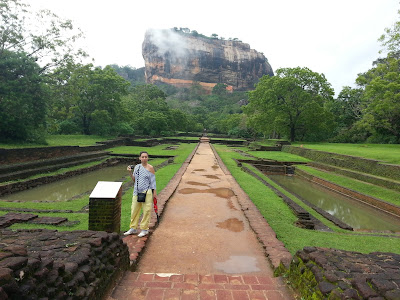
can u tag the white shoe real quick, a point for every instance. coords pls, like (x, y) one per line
(130, 231)
(143, 233)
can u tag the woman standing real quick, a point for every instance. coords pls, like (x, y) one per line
(144, 179)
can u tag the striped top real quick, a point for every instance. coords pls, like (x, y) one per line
(144, 179)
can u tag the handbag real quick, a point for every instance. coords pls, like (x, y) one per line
(141, 197)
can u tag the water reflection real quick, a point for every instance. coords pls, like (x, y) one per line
(70, 187)
(349, 211)
(238, 264)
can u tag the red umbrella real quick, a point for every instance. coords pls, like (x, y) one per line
(156, 208)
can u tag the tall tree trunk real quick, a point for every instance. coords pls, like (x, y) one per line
(292, 133)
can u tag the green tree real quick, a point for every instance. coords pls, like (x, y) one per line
(84, 93)
(291, 103)
(348, 107)
(22, 98)
(381, 100)
(133, 75)
(179, 120)
(381, 97)
(42, 35)
(153, 123)
(148, 101)
(219, 89)
(390, 40)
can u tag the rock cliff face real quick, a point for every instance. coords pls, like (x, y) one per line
(180, 59)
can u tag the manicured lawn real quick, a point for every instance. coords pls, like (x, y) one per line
(282, 219)
(389, 153)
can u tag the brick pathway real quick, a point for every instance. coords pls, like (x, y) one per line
(179, 260)
(153, 286)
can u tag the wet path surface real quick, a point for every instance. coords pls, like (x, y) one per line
(203, 229)
(204, 247)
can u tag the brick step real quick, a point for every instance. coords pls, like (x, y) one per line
(369, 178)
(5, 169)
(137, 285)
(25, 173)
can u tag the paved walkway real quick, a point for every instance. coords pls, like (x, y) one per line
(208, 245)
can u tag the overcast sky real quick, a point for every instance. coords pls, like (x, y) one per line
(337, 38)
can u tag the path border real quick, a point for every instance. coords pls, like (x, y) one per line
(275, 250)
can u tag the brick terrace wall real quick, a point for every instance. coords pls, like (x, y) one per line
(363, 165)
(24, 185)
(11, 156)
(19, 155)
(47, 264)
(322, 273)
(388, 207)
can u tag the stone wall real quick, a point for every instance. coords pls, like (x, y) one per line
(20, 155)
(380, 181)
(363, 165)
(27, 184)
(377, 203)
(323, 273)
(47, 264)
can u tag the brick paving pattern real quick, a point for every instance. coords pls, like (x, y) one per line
(153, 286)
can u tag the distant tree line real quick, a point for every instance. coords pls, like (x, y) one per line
(298, 104)
(45, 88)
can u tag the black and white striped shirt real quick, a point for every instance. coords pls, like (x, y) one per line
(144, 180)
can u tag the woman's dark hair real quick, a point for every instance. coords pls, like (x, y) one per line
(140, 154)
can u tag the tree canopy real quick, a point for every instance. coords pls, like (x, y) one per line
(22, 98)
(42, 35)
(292, 103)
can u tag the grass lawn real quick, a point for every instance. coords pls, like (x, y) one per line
(282, 219)
(62, 140)
(389, 153)
(156, 150)
(279, 156)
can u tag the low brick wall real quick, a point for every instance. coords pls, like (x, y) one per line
(376, 180)
(363, 165)
(378, 203)
(305, 219)
(20, 155)
(27, 184)
(47, 264)
(323, 273)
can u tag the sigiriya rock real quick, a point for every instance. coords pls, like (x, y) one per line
(180, 59)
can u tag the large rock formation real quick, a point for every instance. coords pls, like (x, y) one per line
(179, 59)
